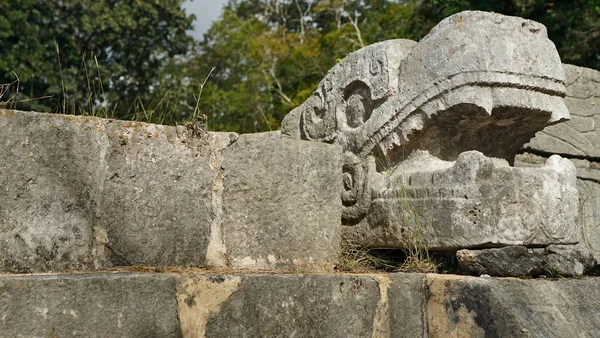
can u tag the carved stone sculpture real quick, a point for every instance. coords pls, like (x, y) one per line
(579, 141)
(479, 82)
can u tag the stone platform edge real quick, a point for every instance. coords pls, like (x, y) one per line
(85, 193)
(135, 304)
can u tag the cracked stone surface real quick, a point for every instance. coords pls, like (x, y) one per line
(302, 305)
(519, 261)
(579, 141)
(88, 193)
(281, 204)
(475, 201)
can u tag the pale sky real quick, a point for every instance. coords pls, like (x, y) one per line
(206, 11)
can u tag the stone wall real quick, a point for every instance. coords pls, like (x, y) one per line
(201, 234)
(89, 193)
(579, 141)
(280, 305)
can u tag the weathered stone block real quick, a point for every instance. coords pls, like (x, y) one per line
(50, 174)
(406, 296)
(277, 305)
(302, 305)
(87, 193)
(579, 137)
(579, 141)
(281, 203)
(158, 191)
(589, 218)
(475, 201)
(493, 307)
(517, 261)
(98, 305)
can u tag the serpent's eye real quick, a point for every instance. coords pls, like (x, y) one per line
(359, 105)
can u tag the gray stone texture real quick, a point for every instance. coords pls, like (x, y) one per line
(406, 296)
(295, 305)
(578, 140)
(88, 193)
(492, 307)
(281, 203)
(316, 305)
(579, 137)
(475, 201)
(50, 172)
(589, 218)
(96, 305)
(518, 261)
(157, 195)
(478, 81)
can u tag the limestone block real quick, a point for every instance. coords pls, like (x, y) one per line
(472, 202)
(579, 137)
(302, 305)
(213, 305)
(157, 194)
(97, 305)
(315, 305)
(494, 307)
(50, 175)
(281, 204)
(89, 193)
(280, 305)
(578, 140)
(85, 193)
(519, 261)
(589, 217)
(406, 297)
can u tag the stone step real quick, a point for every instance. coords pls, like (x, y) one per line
(208, 304)
(88, 193)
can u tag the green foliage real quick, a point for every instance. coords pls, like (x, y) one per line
(88, 54)
(270, 55)
(132, 59)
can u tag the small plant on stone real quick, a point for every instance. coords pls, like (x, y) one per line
(198, 124)
(413, 237)
(361, 259)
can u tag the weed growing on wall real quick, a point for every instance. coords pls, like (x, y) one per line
(413, 238)
(414, 255)
(361, 259)
(413, 228)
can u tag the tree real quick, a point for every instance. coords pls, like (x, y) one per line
(269, 55)
(261, 59)
(89, 54)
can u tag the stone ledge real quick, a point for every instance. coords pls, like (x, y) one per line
(88, 193)
(305, 305)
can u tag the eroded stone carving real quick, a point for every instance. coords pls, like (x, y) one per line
(478, 81)
(579, 141)
(475, 201)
